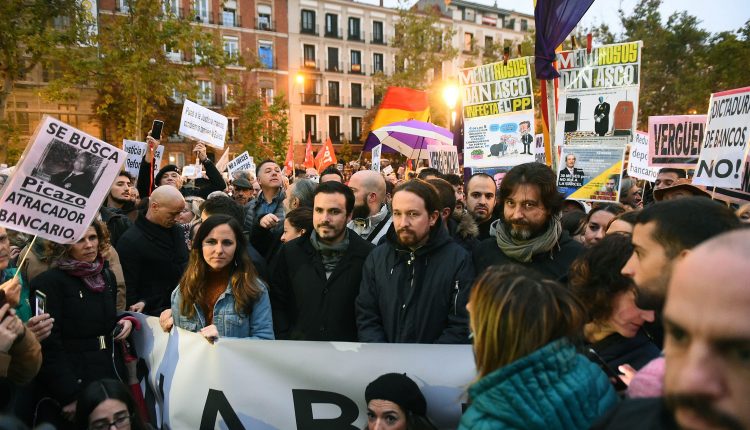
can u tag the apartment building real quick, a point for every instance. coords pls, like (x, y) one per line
(335, 48)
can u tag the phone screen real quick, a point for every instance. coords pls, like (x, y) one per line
(40, 301)
(156, 129)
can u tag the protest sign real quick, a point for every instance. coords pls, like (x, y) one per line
(203, 124)
(539, 154)
(675, 140)
(590, 172)
(242, 162)
(638, 159)
(135, 151)
(60, 183)
(444, 158)
(188, 171)
(739, 195)
(598, 94)
(498, 114)
(388, 170)
(295, 384)
(498, 173)
(376, 151)
(725, 143)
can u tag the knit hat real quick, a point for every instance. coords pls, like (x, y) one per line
(399, 389)
(162, 171)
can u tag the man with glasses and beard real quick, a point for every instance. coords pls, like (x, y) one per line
(707, 349)
(529, 231)
(415, 285)
(371, 217)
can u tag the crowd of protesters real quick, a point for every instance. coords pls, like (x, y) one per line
(619, 315)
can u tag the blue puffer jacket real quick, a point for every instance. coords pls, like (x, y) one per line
(257, 325)
(553, 388)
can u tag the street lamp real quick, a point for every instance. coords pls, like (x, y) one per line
(300, 78)
(450, 95)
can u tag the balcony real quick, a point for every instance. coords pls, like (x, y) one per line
(356, 37)
(334, 102)
(356, 69)
(229, 20)
(207, 18)
(334, 67)
(336, 138)
(378, 39)
(314, 136)
(312, 30)
(374, 69)
(335, 33)
(309, 63)
(265, 25)
(310, 99)
(357, 103)
(354, 139)
(269, 65)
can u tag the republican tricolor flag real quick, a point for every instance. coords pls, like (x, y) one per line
(401, 104)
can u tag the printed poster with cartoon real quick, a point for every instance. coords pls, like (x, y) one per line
(498, 112)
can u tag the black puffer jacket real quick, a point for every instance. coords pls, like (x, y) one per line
(153, 259)
(306, 305)
(415, 296)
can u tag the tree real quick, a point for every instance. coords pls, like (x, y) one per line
(140, 62)
(29, 30)
(263, 129)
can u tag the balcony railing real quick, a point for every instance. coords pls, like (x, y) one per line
(380, 69)
(334, 67)
(378, 39)
(356, 69)
(314, 137)
(310, 99)
(357, 103)
(336, 33)
(308, 30)
(265, 25)
(354, 139)
(233, 22)
(207, 19)
(356, 37)
(334, 102)
(309, 63)
(336, 138)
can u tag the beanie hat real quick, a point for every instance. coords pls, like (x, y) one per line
(162, 171)
(399, 389)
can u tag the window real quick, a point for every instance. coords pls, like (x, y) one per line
(265, 54)
(122, 5)
(68, 114)
(232, 48)
(232, 124)
(308, 21)
(334, 128)
(356, 128)
(377, 32)
(356, 62)
(309, 56)
(332, 25)
(201, 10)
(510, 23)
(173, 54)
(171, 7)
(228, 93)
(266, 92)
(228, 17)
(333, 93)
(264, 17)
(205, 93)
(468, 42)
(469, 15)
(377, 63)
(524, 25)
(354, 29)
(357, 95)
(178, 159)
(311, 127)
(177, 96)
(333, 60)
(488, 41)
(22, 117)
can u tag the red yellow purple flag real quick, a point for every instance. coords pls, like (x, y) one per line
(326, 156)
(401, 104)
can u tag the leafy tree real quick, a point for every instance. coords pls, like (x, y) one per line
(29, 30)
(263, 129)
(131, 70)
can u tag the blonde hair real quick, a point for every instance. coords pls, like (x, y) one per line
(514, 312)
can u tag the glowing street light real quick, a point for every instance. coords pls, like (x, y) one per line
(300, 78)
(450, 95)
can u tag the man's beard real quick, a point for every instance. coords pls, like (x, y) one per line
(361, 212)
(649, 299)
(523, 230)
(118, 200)
(701, 406)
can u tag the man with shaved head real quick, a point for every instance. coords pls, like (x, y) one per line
(153, 252)
(371, 217)
(707, 345)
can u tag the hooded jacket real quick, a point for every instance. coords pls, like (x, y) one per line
(415, 296)
(464, 230)
(551, 388)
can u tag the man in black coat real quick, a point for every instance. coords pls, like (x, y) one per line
(316, 277)
(529, 232)
(415, 285)
(79, 179)
(153, 253)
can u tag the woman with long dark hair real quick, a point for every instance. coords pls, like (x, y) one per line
(220, 293)
(106, 403)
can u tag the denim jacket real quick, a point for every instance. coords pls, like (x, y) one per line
(258, 325)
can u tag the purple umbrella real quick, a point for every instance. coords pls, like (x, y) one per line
(409, 138)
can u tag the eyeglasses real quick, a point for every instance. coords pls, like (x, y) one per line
(120, 422)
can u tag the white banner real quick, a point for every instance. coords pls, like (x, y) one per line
(444, 158)
(638, 161)
(725, 143)
(203, 124)
(242, 162)
(242, 383)
(60, 183)
(540, 156)
(376, 151)
(135, 151)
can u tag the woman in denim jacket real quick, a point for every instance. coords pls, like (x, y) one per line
(220, 294)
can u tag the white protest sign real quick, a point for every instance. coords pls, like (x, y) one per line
(444, 158)
(188, 171)
(290, 379)
(388, 169)
(203, 124)
(725, 142)
(242, 162)
(638, 161)
(135, 151)
(376, 151)
(60, 183)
